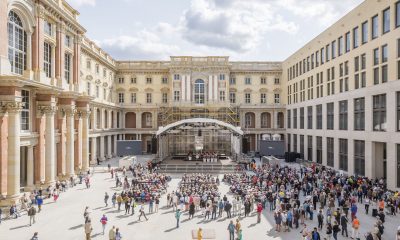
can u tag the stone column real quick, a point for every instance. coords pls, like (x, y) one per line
(14, 129)
(30, 168)
(102, 158)
(61, 148)
(40, 148)
(70, 112)
(3, 152)
(78, 143)
(109, 144)
(50, 161)
(85, 139)
(115, 145)
(93, 159)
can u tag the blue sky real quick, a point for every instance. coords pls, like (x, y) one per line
(245, 30)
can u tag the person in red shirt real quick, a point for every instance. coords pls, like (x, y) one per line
(259, 211)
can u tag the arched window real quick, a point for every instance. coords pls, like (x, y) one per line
(249, 120)
(199, 91)
(16, 43)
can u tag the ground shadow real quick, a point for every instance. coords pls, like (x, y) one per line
(76, 227)
(22, 226)
(171, 229)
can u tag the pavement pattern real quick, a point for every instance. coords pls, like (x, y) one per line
(64, 219)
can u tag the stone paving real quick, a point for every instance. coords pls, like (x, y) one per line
(64, 219)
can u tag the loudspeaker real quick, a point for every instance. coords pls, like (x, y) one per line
(154, 145)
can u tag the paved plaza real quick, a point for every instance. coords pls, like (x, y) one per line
(64, 219)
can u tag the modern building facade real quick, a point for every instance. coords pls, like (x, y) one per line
(65, 102)
(343, 102)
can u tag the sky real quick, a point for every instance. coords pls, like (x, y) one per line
(244, 30)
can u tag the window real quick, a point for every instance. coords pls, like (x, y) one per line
(363, 61)
(165, 97)
(88, 89)
(164, 80)
(277, 98)
(309, 148)
(232, 97)
(295, 142)
(384, 53)
(88, 64)
(47, 28)
(398, 111)
(67, 40)
(330, 156)
(25, 110)
(148, 120)
(398, 146)
(384, 73)
(263, 80)
(148, 80)
(222, 77)
(322, 56)
(340, 50)
(376, 56)
(374, 27)
(379, 112)
(17, 44)
(309, 117)
(67, 67)
(289, 118)
(232, 80)
(327, 51)
(347, 36)
(295, 118)
(376, 75)
(97, 68)
(364, 32)
(302, 118)
(302, 144)
(263, 97)
(247, 80)
(247, 98)
(199, 95)
(133, 97)
(343, 115)
(248, 119)
(176, 77)
(355, 37)
(121, 98)
(47, 59)
(330, 116)
(319, 116)
(222, 96)
(319, 150)
(276, 80)
(148, 98)
(333, 49)
(97, 91)
(176, 96)
(343, 157)
(386, 20)
(359, 114)
(359, 157)
(397, 15)
(121, 80)
(133, 80)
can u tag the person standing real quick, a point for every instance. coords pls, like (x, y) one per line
(39, 202)
(238, 226)
(191, 210)
(103, 221)
(118, 235)
(88, 230)
(178, 214)
(320, 218)
(32, 214)
(112, 233)
(142, 212)
(335, 229)
(240, 235)
(329, 231)
(259, 212)
(200, 234)
(106, 197)
(114, 199)
(366, 204)
(157, 203)
(231, 230)
(343, 222)
(220, 208)
(355, 228)
(315, 235)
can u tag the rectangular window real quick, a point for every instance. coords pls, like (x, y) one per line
(302, 118)
(340, 47)
(309, 148)
(121, 97)
(330, 116)
(347, 36)
(343, 157)
(263, 80)
(247, 80)
(121, 80)
(319, 116)
(176, 96)
(374, 27)
(67, 67)
(364, 34)
(133, 97)
(343, 115)
(322, 56)
(88, 64)
(295, 118)
(289, 138)
(222, 77)
(232, 97)
(276, 80)
(165, 97)
(148, 80)
(47, 59)
(386, 20)
(359, 157)
(330, 156)
(359, 114)
(397, 15)
(294, 142)
(309, 117)
(177, 77)
(384, 73)
(222, 96)
(363, 61)
(289, 118)
(48, 28)
(319, 150)
(277, 98)
(376, 75)
(355, 37)
(232, 81)
(302, 145)
(379, 112)
(133, 80)
(263, 98)
(164, 80)
(148, 98)
(327, 51)
(88, 89)
(247, 98)
(398, 111)
(384, 53)
(25, 110)
(398, 153)
(67, 41)
(333, 49)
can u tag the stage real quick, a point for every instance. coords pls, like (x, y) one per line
(174, 161)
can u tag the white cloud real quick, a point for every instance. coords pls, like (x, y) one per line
(78, 3)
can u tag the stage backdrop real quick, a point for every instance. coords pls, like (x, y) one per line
(129, 147)
(272, 148)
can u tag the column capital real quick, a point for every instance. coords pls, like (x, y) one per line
(83, 113)
(46, 109)
(69, 111)
(40, 11)
(12, 106)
